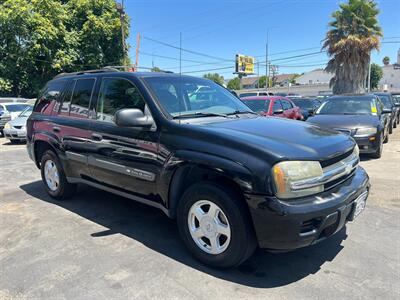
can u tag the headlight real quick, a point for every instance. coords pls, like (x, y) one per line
(7, 126)
(288, 172)
(363, 132)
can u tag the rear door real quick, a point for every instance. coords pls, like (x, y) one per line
(72, 125)
(123, 157)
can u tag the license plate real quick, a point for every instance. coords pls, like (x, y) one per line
(360, 203)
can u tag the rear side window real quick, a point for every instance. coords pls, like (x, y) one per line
(81, 96)
(49, 95)
(116, 94)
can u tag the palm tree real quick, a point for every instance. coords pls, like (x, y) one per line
(353, 35)
(386, 60)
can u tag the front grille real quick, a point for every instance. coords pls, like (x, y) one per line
(335, 159)
(17, 127)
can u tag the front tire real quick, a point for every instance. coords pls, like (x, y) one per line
(53, 177)
(215, 225)
(378, 153)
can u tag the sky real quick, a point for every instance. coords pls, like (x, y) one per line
(219, 29)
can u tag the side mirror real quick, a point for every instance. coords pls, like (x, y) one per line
(278, 111)
(386, 111)
(132, 117)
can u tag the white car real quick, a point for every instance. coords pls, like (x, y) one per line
(9, 111)
(15, 130)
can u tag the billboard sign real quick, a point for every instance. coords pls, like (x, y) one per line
(244, 64)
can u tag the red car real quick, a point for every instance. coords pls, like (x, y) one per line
(276, 106)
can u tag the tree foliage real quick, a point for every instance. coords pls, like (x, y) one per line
(386, 60)
(376, 75)
(215, 77)
(234, 84)
(41, 38)
(353, 35)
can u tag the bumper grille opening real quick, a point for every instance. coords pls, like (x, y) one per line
(310, 225)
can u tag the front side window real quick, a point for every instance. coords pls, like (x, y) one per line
(80, 99)
(286, 104)
(277, 106)
(116, 94)
(386, 101)
(188, 96)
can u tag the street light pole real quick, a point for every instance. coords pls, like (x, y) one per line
(369, 74)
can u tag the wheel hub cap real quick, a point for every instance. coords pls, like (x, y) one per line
(209, 227)
(51, 175)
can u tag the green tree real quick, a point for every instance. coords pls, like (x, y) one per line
(40, 38)
(386, 60)
(376, 75)
(234, 84)
(353, 35)
(215, 77)
(261, 82)
(155, 69)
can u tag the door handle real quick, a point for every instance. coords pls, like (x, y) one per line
(56, 129)
(97, 137)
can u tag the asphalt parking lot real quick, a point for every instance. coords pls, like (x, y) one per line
(101, 246)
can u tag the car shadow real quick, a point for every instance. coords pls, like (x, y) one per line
(152, 228)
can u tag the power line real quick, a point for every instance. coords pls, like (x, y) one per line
(186, 50)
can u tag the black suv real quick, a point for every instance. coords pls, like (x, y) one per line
(231, 178)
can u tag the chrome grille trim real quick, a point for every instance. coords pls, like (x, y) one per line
(330, 173)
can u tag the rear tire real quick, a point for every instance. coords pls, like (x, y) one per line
(391, 128)
(199, 226)
(386, 139)
(53, 177)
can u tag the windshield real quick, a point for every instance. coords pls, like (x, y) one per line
(189, 96)
(386, 101)
(303, 103)
(347, 107)
(247, 95)
(257, 105)
(27, 112)
(16, 107)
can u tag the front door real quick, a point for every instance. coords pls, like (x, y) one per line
(122, 157)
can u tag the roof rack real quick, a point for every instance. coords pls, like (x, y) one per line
(102, 70)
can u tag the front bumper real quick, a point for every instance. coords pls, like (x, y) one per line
(15, 134)
(287, 225)
(366, 145)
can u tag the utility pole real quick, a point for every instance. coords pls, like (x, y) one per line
(121, 10)
(137, 51)
(266, 63)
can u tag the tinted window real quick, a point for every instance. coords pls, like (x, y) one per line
(286, 104)
(50, 92)
(116, 94)
(303, 103)
(81, 98)
(257, 105)
(66, 98)
(277, 106)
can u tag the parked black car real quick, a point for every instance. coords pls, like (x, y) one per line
(396, 100)
(307, 106)
(361, 116)
(388, 102)
(229, 176)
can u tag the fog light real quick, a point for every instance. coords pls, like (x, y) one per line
(372, 138)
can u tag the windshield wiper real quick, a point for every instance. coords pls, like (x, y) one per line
(200, 114)
(238, 112)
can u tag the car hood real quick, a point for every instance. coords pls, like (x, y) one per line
(344, 121)
(18, 121)
(281, 138)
